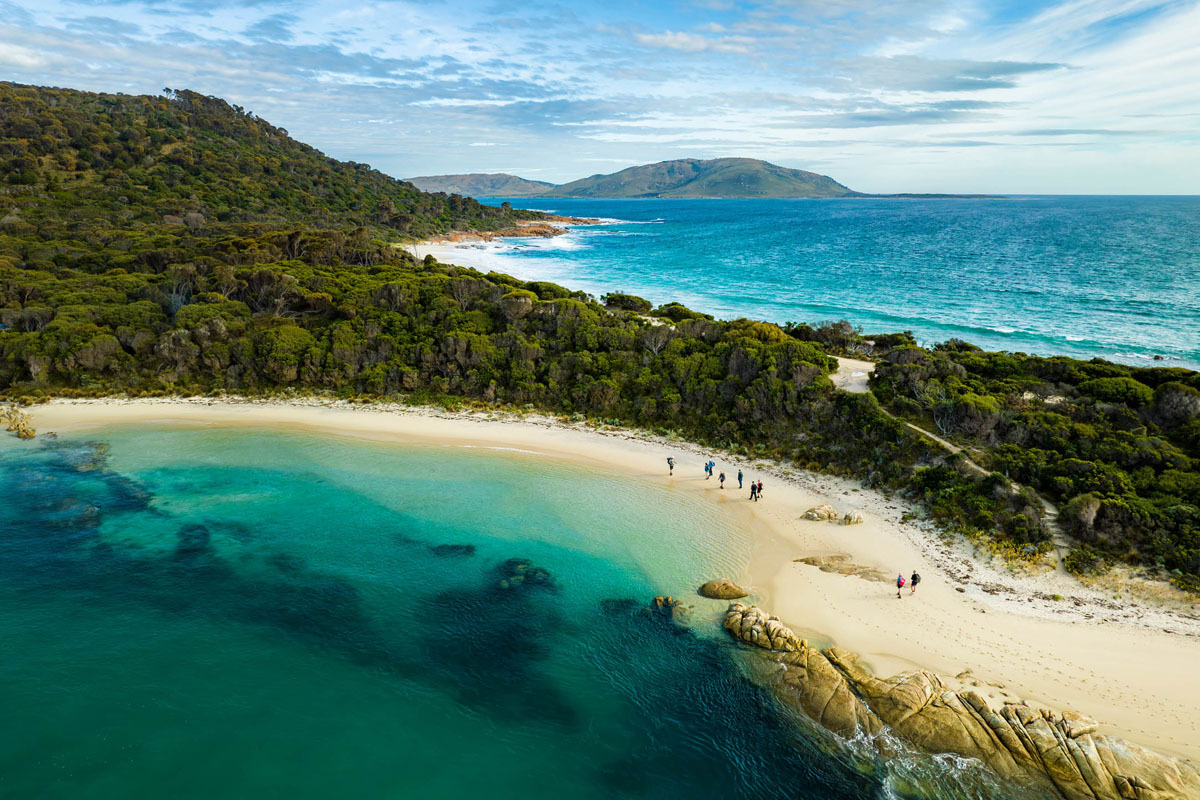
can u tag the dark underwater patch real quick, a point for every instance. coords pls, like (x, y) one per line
(452, 550)
(481, 645)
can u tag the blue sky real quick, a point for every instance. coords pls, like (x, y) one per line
(1083, 96)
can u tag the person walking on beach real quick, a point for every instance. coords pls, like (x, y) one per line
(671, 464)
(753, 491)
(899, 586)
(739, 479)
(722, 479)
(914, 581)
(760, 490)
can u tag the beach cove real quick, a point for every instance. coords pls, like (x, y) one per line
(1125, 663)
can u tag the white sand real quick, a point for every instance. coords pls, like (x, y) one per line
(1130, 664)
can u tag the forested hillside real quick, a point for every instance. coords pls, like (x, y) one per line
(79, 166)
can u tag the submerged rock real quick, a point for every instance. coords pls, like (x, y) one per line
(1059, 752)
(722, 589)
(519, 572)
(452, 550)
(821, 513)
(671, 609)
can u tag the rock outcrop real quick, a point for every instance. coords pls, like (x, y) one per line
(19, 422)
(1060, 752)
(722, 589)
(852, 518)
(821, 513)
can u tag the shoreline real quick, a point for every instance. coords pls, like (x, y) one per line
(1127, 663)
(545, 228)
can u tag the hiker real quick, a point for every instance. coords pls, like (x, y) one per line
(760, 489)
(671, 464)
(739, 479)
(899, 585)
(753, 491)
(913, 583)
(722, 479)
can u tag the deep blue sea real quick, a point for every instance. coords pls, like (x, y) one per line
(1115, 277)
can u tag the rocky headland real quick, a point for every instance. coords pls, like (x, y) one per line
(1060, 753)
(549, 225)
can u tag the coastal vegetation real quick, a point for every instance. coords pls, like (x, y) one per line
(180, 245)
(1116, 447)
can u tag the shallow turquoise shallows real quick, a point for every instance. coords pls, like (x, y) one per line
(206, 613)
(1116, 277)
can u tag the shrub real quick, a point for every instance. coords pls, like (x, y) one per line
(1118, 390)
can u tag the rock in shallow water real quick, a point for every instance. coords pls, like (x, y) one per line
(1060, 752)
(722, 589)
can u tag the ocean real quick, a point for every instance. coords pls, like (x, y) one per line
(235, 612)
(1110, 277)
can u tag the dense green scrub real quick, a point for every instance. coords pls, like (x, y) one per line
(77, 165)
(1117, 447)
(157, 245)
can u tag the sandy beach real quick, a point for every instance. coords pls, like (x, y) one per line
(1127, 662)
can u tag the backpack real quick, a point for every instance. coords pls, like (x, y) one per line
(900, 581)
(916, 579)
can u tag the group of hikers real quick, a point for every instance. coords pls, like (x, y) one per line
(756, 487)
(912, 582)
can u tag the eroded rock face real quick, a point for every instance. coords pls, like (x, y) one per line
(722, 589)
(1061, 752)
(821, 513)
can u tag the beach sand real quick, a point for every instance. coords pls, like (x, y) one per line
(1128, 663)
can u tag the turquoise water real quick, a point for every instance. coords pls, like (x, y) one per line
(194, 613)
(1115, 277)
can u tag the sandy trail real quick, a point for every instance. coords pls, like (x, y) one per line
(852, 374)
(1128, 664)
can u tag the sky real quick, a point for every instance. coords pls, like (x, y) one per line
(1037, 97)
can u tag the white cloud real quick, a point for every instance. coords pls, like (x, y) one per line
(22, 57)
(910, 95)
(693, 43)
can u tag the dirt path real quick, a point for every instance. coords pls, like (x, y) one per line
(852, 376)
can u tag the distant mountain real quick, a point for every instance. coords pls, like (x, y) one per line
(687, 177)
(718, 177)
(480, 184)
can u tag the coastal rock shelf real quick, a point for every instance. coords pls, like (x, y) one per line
(1061, 753)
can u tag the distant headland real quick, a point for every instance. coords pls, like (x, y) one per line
(687, 178)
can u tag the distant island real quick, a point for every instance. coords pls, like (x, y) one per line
(480, 184)
(682, 178)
